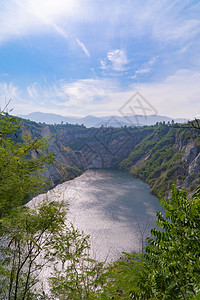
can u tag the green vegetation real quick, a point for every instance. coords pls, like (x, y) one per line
(170, 267)
(156, 160)
(68, 172)
(21, 166)
(29, 238)
(32, 240)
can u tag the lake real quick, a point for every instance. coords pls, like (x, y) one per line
(115, 209)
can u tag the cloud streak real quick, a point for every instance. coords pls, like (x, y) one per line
(163, 20)
(146, 68)
(83, 47)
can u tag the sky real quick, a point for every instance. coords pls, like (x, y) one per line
(86, 57)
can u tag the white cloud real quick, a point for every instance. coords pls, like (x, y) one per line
(19, 18)
(142, 71)
(103, 65)
(7, 92)
(152, 61)
(176, 96)
(164, 20)
(116, 60)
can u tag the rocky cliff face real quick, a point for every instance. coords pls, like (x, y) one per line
(190, 150)
(160, 155)
(168, 155)
(84, 148)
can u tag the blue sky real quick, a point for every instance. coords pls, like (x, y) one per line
(81, 57)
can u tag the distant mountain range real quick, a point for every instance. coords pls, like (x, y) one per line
(92, 121)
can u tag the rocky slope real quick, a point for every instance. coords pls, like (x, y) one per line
(78, 148)
(168, 155)
(160, 155)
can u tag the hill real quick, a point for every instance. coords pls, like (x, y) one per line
(160, 155)
(167, 155)
(92, 121)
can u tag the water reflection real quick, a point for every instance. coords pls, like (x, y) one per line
(111, 206)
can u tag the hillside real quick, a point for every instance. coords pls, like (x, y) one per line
(82, 148)
(93, 121)
(160, 155)
(167, 155)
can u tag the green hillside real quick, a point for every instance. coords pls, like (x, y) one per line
(160, 158)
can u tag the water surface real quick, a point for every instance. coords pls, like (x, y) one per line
(114, 208)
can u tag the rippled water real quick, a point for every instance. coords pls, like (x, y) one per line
(112, 206)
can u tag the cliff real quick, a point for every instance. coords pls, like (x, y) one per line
(168, 155)
(78, 148)
(160, 155)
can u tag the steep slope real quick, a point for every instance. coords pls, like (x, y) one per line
(78, 148)
(160, 155)
(167, 155)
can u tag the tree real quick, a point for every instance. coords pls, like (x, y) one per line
(22, 161)
(33, 239)
(174, 252)
(123, 277)
(76, 275)
(25, 239)
(170, 268)
(21, 165)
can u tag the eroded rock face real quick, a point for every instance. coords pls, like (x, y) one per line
(191, 162)
(194, 166)
(85, 148)
(104, 148)
(190, 151)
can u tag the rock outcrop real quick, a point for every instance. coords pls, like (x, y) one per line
(168, 155)
(84, 148)
(160, 155)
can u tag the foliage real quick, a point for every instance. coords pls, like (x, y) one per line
(21, 165)
(170, 268)
(26, 238)
(77, 276)
(156, 160)
(174, 252)
(33, 239)
(123, 277)
(68, 172)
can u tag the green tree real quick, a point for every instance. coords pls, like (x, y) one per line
(170, 268)
(21, 165)
(32, 240)
(123, 277)
(26, 239)
(76, 275)
(174, 253)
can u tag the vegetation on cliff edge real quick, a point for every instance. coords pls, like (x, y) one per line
(157, 161)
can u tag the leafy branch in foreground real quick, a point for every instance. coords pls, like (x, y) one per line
(26, 237)
(21, 165)
(34, 240)
(170, 268)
